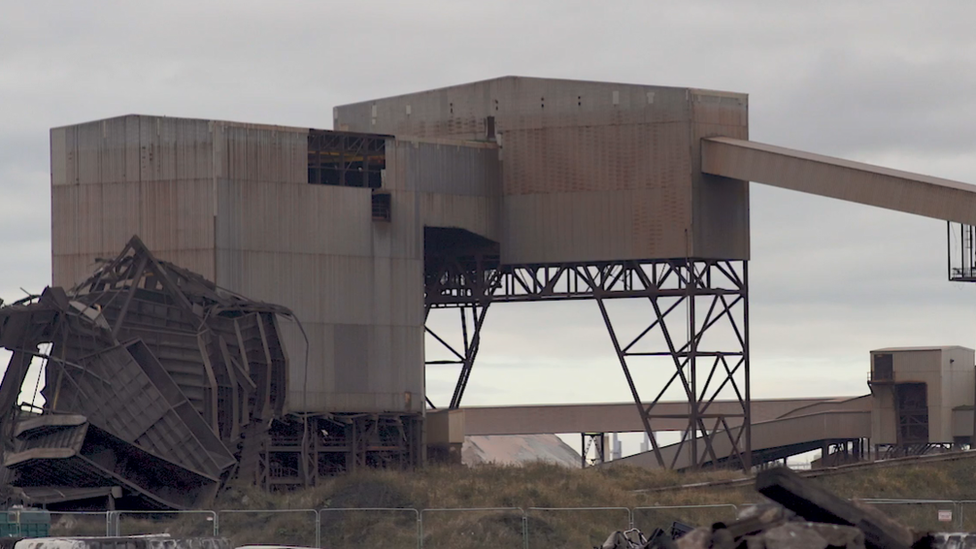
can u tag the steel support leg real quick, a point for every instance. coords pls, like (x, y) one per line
(701, 328)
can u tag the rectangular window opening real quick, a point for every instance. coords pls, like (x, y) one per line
(346, 159)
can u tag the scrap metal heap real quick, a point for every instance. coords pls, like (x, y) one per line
(156, 382)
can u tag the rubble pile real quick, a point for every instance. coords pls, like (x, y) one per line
(158, 387)
(802, 516)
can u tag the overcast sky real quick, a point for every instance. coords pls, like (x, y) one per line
(888, 82)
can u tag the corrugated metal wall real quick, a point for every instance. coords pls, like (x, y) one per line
(115, 178)
(582, 171)
(450, 185)
(231, 201)
(591, 171)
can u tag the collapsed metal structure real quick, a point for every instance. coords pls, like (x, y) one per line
(161, 384)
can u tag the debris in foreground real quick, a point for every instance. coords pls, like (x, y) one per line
(806, 517)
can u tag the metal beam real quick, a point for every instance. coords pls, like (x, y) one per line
(620, 417)
(838, 178)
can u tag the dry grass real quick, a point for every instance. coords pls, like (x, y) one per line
(490, 486)
(539, 486)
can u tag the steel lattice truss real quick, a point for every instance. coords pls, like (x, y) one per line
(697, 322)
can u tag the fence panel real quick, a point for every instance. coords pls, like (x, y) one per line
(390, 528)
(176, 523)
(472, 528)
(922, 515)
(966, 521)
(80, 523)
(573, 526)
(298, 527)
(662, 516)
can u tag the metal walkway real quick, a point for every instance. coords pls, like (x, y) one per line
(802, 430)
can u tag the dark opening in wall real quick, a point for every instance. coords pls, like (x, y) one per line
(883, 369)
(346, 159)
(382, 208)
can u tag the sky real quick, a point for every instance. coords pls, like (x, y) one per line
(891, 83)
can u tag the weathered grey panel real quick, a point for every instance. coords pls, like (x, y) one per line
(114, 151)
(70, 269)
(59, 157)
(351, 359)
(612, 164)
(89, 147)
(177, 214)
(122, 201)
(516, 103)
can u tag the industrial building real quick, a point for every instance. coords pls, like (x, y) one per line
(507, 190)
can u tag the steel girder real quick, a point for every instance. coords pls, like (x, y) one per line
(689, 299)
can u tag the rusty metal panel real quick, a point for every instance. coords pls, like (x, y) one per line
(406, 304)
(457, 185)
(236, 143)
(122, 201)
(114, 150)
(136, 401)
(351, 359)
(843, 179)
(474, 214)
(157, 153)
(133, 148)
(70, 269)
(346, 288)
(404, 235)
(383, 375)
(601, 158)
(71, 155)
(515, 102)
(292, 158)
(64, 236)
(392, 379)
(194, 149)
(407, 350)
(449, 168)
(599, 226)
(324, 219)
(177, 214)
(89, 149)
(561, 139)
(59, 156)
(87, 212)
(88, 456)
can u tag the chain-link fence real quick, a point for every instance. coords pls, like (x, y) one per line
(472, 527)
(175, 523)
(649, 518)
(295, 527)
(468, 528)
(81, 523)
(369, 527)
(573, 526)
(923, 515)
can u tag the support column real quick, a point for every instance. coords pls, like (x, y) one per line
(699, 325)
